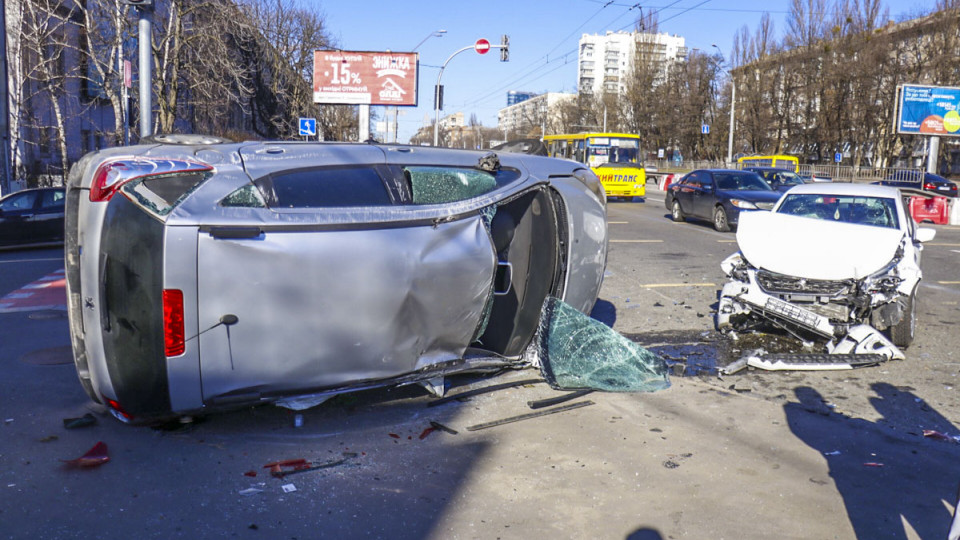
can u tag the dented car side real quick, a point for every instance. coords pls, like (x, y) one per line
(838, 264)
(216, 276)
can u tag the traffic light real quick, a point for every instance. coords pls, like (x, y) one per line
(504, 48)
(438, 97)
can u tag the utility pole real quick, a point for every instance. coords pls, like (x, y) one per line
(145, 44)
(482, 46)
(5, 169)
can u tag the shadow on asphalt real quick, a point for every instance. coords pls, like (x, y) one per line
(886, 473)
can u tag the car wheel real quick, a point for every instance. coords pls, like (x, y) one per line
(720, 222)
(676, 212)
(901, 334)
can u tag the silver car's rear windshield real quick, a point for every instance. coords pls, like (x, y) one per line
(370, 185)
(872, 211)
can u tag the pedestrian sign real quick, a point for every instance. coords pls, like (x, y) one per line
(308, 127)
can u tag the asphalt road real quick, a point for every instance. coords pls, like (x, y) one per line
(755, 455)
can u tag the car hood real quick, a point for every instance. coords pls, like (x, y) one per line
(813, 248)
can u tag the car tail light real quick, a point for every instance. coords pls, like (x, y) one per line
(174, 342)
(106, 181)
(113, 174)
(929, 186)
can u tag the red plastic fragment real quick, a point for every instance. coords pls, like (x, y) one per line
(426, 432)
(872, 464)
(94, 457)
(277, 467)
(394, 435)
(251, 474)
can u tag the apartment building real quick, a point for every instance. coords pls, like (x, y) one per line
(606, 60)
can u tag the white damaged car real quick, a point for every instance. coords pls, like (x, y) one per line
(831, 262)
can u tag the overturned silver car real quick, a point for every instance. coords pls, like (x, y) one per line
(833, 263)
(204, 275)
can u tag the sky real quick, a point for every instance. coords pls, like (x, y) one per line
(544, 37)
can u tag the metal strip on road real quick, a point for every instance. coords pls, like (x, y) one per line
(31, 260)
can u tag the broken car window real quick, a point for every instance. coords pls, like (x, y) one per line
(438, 185)
(161, 194)
(872, 211)
(246, 197)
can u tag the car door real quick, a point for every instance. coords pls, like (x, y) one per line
(17, 225)
(686, 190)
(704, 196)
(350, 286)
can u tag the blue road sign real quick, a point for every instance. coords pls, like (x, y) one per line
(705, 129)
(838, 157)
(308, 127)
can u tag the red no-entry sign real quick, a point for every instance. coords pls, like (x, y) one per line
(482, 46)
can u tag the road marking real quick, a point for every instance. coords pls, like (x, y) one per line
(636, 241)
(955, 250)
(48, 292)
(727, 241)
(941, 245)
(617, 222)
(949, 282)
(664, 285)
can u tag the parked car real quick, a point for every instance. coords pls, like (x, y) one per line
(208, 276)
(921, 180)
(718, 195)
(778, 179)
(32, 218)
(837, 263)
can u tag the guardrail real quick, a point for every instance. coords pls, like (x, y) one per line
(839, 173)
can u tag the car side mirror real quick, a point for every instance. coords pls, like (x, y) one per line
(925, 234)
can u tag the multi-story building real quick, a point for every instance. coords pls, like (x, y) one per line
(605, 61)
(540, 113)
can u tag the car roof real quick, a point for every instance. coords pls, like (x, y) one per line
(864, 190)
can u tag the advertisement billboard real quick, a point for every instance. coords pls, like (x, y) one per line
(365, 78)
(928, 110)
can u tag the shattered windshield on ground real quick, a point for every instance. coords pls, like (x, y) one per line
(578, 352)
(873, 211)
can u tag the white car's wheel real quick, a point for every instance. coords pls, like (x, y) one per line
(902, 333)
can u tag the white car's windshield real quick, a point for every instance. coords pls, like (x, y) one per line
(873, 211)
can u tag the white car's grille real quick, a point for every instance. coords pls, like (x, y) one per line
(773, 283)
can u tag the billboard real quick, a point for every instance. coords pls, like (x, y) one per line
(928, 110)
(365, 78)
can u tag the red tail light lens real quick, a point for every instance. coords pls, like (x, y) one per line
(174, 342)
(116, 410)
(930, 187)
(107, 180)
(112, 175)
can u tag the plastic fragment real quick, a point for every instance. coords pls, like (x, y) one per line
(428, 431)
(94, 457)
(289, 488)
(296, 466)
(48, 438)
(251, 474)
(872, 464)
(834, 453)
(394, 435)
(84, 421)
(250, 491)
(936, 435)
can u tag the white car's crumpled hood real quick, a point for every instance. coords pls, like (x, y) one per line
(813, 248)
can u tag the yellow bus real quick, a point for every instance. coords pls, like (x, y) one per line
(778, 162)
(614, 158)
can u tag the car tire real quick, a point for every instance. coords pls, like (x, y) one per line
(902, 333)
(720, 222)
(676, 213)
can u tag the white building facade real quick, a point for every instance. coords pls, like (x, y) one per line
(537, 112)
(605, 61)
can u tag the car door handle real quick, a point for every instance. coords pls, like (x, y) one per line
(235, 233)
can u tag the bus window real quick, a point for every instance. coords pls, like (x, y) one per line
(578, 154)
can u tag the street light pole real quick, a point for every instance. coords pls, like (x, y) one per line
(436, 96)
(396, 110)
(733, 104)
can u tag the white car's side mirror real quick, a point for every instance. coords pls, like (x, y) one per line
(925, 234)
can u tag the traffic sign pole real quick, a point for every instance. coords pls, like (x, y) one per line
(482, 46)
